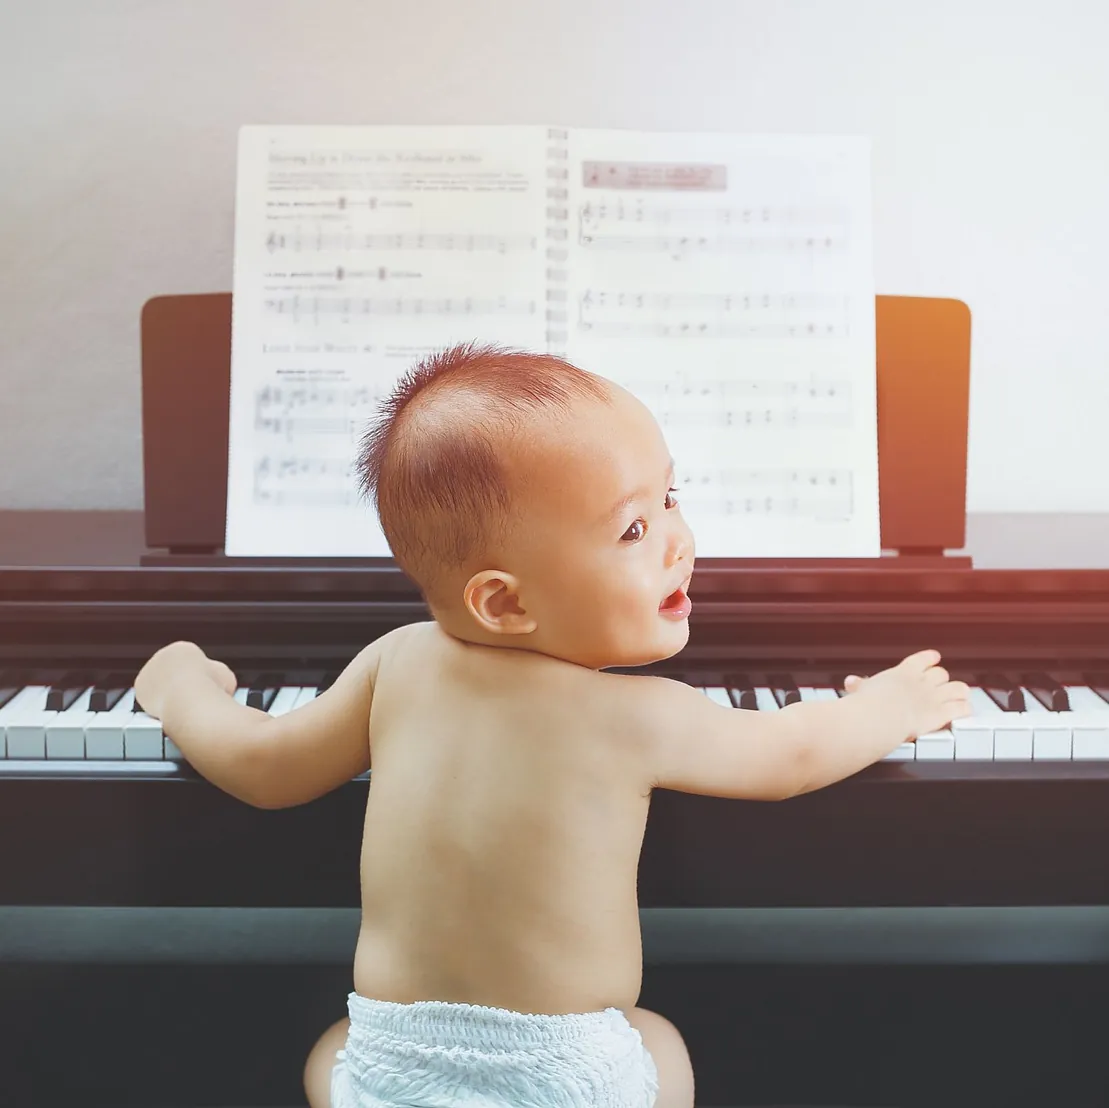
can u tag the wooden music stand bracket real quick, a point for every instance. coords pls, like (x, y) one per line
(923, 359)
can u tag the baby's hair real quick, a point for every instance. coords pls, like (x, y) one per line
(434, 457)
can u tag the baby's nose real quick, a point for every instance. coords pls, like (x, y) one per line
(681, 546)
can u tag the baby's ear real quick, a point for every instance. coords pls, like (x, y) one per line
(493, 599)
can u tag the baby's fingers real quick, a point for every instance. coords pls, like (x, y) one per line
(922, 659)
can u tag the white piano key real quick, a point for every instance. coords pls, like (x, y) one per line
(935, 746)
(104, 731)
(1089, 719)
(307, 694)
(1087, 735)
(764, 700)
(26, 726)
(1012, 737)
(1090, 742)
(1084, 699)
(241, 695)
(65, 735)
(981, 704)
(906, 752)
(30, 696)
(1051, 735)
(717, 695)
(173, 751)
(143, 738)
(1031, 704)
(285, 700)
(973, 739)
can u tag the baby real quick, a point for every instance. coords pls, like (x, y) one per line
(499, 958)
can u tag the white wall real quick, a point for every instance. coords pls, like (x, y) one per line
(990, 123)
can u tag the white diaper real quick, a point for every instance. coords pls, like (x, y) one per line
(434, 1054)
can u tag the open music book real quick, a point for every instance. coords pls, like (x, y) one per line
(726, 280)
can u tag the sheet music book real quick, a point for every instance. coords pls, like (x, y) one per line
(726, 280)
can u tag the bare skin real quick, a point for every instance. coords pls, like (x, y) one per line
(511, 776)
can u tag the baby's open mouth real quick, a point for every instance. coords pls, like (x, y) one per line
(675, 600)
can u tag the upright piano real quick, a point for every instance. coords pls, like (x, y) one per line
(98, 811)
(1010, 807)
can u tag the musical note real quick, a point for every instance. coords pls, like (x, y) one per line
(346, 242)
(790, 418)
(713, 315)
(304, 481)
(343, 307)
(288, 398)
(712, 330)
(810, 246)
(596, 214)
(817, 493)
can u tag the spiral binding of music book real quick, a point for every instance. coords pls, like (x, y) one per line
(557, 233)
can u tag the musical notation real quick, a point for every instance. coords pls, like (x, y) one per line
(712, 301)
(304, 481)
(703, 391)
(343, 307)
(810, 246)
(819, 493)
(762, 479)
(292, 411)
(683, 403)
(777, 419)
(596, 214)
(321, 241)
(629, 329)
(288, 398)
(713, 315)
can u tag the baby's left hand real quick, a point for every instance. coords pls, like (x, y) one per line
(180, 661)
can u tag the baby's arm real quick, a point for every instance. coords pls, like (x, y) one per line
(267, 761)
(697, 746)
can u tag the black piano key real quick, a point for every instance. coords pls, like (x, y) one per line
(784, 688)
(65, 691)
(328, 680)
(108, 691)
(1002, 691)
(263, 689)
(1046, 690)
(741, 691)
(1099, 682)
(10, 684)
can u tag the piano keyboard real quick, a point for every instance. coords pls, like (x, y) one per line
(1041, 720)
(91, 724)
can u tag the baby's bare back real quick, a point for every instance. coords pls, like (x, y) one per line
(505, 819)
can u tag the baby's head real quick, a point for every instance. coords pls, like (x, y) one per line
(531, 502)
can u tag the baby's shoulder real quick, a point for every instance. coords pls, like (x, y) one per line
(400, 641)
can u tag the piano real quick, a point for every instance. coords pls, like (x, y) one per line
(1010, 807)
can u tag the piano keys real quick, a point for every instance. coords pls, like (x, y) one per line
(50, 725)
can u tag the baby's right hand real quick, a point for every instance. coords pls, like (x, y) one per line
(918, 691)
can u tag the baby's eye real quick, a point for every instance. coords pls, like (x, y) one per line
(641, 524)
(671, 500)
